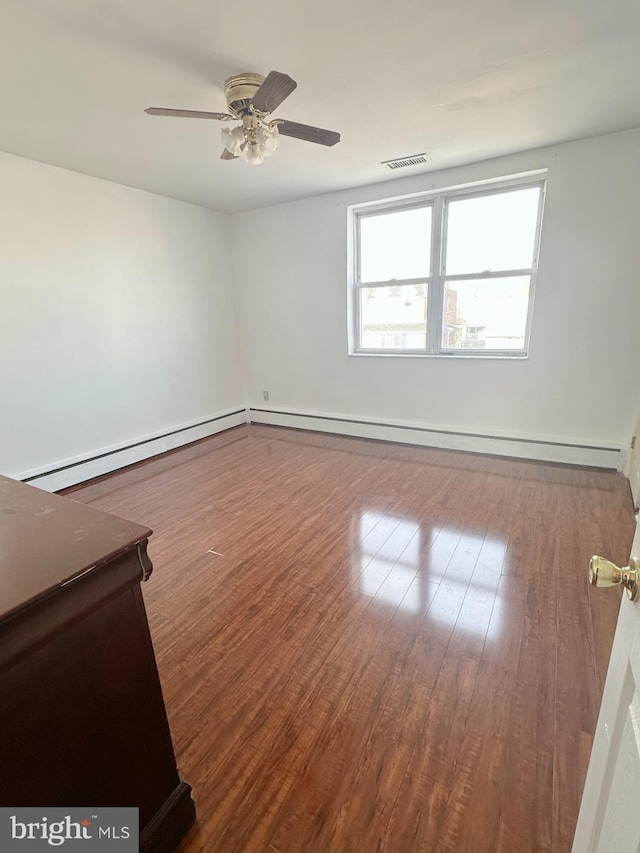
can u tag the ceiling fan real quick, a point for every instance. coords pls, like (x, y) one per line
(251, 98)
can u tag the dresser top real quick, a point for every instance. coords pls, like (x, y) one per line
(46, 540)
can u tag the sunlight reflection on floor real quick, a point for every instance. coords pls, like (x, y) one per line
(449, 575)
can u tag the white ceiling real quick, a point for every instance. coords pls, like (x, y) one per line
(462, 80)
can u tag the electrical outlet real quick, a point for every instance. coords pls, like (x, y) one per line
(265, 395)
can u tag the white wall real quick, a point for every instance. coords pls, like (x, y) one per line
(117, 319)
(578, 384)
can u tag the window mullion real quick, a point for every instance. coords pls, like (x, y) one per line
(434, 304)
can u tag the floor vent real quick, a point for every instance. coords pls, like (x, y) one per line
(401, 162)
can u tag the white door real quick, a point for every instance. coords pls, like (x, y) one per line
(609, 820)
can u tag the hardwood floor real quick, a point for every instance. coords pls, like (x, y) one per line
(370, 648)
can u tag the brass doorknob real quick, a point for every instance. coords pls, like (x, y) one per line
(604, 573)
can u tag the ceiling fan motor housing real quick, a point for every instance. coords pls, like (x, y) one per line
(239, 91)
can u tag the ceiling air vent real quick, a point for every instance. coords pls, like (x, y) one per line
(401, 162)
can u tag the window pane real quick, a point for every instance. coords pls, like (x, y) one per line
(395, 245)
(393, 317)
(489, 313)
(492, 232)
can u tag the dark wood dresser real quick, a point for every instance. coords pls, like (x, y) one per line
(82, 718)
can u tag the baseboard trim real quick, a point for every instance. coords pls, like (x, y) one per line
(525, 447)
(70, 472)
(171, 822)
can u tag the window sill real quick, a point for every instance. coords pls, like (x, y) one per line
(446, 355)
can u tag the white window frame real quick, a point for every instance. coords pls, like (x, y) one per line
(435, 282)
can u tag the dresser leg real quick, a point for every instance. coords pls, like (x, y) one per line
(170, 823)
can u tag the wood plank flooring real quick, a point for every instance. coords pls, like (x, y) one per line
(372, 648)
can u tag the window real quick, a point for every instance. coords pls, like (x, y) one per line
(447, 274)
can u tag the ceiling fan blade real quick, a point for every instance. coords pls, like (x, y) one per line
(227, 155)
(161, 111)
(308, 133)
(275, 88)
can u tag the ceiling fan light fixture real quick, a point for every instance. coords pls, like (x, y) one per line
(253, 140)
(269, 137)
(233, 140)
(254, 153)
